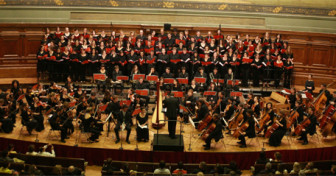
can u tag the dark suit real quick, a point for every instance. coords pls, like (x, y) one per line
(172, 104)
(121, 118)
(216, 133)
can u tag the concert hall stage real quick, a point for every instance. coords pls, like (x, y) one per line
(317, 149)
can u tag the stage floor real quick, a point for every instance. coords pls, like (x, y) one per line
(192, 142)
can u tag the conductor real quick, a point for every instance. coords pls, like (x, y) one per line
(172, 104)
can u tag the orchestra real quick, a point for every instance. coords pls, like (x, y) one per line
(191, 58)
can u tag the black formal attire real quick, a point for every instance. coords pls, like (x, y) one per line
(288, 74)
(172, 105)
(311, 128)
(55, 125)
(216, 133)
(278, 134)
(142, 133)
(201, 113)
(257, 71)
(250, 131)
(123, 117)
(310, 84)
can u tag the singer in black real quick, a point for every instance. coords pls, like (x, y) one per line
(216, 133)
(124, 119)
(172, 104)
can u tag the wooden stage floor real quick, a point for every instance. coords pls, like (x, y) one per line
(288, 143)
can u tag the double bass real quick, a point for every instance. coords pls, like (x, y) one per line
(320, 102)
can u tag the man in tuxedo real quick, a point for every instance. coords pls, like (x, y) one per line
(172, 104)
(123, 117)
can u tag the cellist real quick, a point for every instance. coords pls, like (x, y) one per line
(280, 131)
(216, 133)
(311, 128)
(250, 131)
(201, 112)
(268, 111)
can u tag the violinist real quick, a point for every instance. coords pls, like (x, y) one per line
(216, 133)
(6, 123)
(221, 104)
(113, 106)
(256, 106)
(37, 114)
(55, 123)
(124, 118)
(250, 131)
(95, 127)
(268, 111)
(280, 131)
(292, 97)
(311, 128)
(250, 100)
(202, 111)
(27, 118)
(229, 109)
(93, 99)
(189, 102)
(79, 93)
(69, 85)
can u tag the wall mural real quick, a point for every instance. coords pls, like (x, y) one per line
(307, 7)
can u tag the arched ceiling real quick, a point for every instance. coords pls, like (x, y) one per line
(293, 7)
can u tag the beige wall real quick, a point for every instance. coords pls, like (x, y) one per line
(177, 17)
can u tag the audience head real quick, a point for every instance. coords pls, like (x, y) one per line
(202, 165)
(277, 156)
(268, 166)
(296, 167)
(162, 164)
(31, 148)
(180, 165)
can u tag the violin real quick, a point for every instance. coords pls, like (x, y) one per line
(303, 125)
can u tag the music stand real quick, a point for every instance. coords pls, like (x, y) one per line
(99, 76)
(178, 94)
(138, 76)
(168, 80)
(153, 78)
(200, 80)
(182, 80)
(142, 92)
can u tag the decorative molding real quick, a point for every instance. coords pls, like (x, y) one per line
(211, 5)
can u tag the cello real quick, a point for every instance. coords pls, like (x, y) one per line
(204, 123)
(236, 119)
(327, 121)
(292, 118)
(304, 124)
(241, 129)
(264, 119)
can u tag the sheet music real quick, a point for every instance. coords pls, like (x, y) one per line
(143, 126)
(191, 122)
(123, 126)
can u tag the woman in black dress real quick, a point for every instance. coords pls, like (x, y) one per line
(142, 126)
(278, 134)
